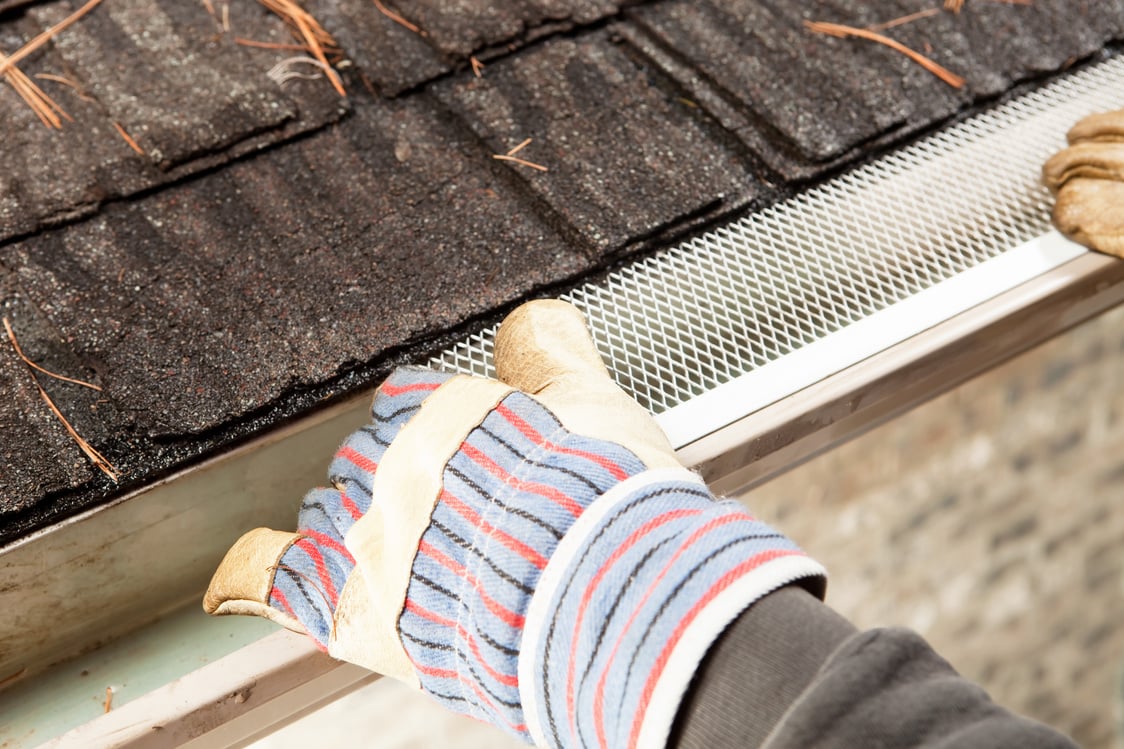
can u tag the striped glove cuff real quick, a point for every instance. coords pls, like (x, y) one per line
(632, 599)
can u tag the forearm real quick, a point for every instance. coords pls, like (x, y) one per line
(791, 673)
(761, 665)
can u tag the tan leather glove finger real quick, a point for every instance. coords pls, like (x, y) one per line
(243, 580)
(1103, 127)
(1088, 160)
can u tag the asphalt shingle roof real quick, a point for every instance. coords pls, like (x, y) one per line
(276, 244)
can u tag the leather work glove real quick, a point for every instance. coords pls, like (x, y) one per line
(1088, 178)
(527, 550)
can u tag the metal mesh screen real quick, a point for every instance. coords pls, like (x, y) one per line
(698, 315)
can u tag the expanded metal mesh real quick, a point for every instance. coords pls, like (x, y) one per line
(687, 319)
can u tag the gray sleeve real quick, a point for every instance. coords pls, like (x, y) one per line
(790, 673)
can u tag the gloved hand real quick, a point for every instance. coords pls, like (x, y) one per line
(528, 551)
(1088, 178)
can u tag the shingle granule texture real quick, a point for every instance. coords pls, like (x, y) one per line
(276, 245)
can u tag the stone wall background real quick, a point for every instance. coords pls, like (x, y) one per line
(990, 519)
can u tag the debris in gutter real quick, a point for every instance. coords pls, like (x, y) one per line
(95, 457)
(397, 18)
(128, 138)
(477, 66)
(842, 32)
(307, 29)
(510, 156)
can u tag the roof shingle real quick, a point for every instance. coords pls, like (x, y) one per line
(205, 301)
(276, 245)
(804, 102)
(651, 151)
(190, 97)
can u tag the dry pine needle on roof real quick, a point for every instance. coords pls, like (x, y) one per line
(397, 18)
(89, 450)
(128, 138)
(45, 108)
(44, 36)
(842, 31)
(510, 156)
(902, 20)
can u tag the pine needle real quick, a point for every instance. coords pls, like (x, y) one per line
(927, 13)
(94, 456)
(519, 161)
(78, 90)
(33, 365)
(45, 36)
(397, 18)
(841, 31)
(128, 138)
(45, 108)
(271, 45)
(953, 5)
(477, 67)
(519, 147)
(510, 156)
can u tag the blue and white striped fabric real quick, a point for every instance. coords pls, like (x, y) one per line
(643, 584)
(311, 574)
(516, 486)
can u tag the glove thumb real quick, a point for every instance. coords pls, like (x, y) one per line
(544, 348)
